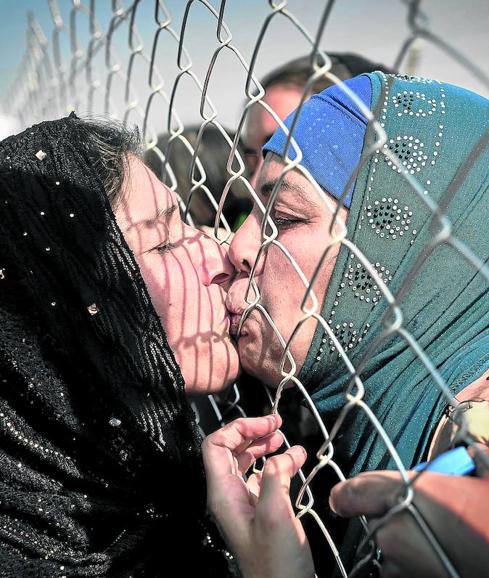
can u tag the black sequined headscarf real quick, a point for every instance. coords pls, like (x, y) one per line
(100, 470)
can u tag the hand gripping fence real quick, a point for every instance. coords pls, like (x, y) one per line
(67, 69)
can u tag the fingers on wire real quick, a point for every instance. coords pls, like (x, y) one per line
(259, 448)
(223, 448)
(275, 482)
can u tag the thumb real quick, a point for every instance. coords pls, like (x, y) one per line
(370, 493)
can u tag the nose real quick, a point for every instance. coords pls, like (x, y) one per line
(216, 268)
(245, 245)
(256, 171)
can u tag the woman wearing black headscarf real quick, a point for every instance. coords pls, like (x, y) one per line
(100, 469)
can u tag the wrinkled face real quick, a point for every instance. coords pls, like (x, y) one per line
(303, 219)
(185, 273)
(283, 99)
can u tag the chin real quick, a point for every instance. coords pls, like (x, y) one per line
(222, 382)
(216, 386)
(221, 375)
(210, 366)
(251, 365)
(262, 366)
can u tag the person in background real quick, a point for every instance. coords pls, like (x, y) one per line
(284, 87)
(213, 153)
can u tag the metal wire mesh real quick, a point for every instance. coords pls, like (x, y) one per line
(83, 65)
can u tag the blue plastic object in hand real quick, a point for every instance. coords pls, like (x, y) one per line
(456, 462)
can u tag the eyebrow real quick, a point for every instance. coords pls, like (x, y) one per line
(267, 188)
(166, 213)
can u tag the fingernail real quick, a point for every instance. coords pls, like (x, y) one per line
(331, 504)
(299, 449)
(276, 418)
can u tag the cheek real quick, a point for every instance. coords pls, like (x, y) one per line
(283, 289)
(194, 318)
(306, 246)
(158, 282)
(183, 303)
(171, 283)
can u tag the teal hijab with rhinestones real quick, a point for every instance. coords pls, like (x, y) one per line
(440, 135)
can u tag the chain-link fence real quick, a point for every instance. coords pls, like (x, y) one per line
(106, 66)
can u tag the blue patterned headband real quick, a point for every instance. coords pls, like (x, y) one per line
(330, 131)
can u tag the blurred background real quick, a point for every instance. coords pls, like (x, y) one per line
(375, 29)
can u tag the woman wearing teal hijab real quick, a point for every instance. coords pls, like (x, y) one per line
(435, 129)
(439, 133)
(446, 307)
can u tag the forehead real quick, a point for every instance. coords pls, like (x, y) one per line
(283, 99)
(295, 189)
(145, 195)
(272, 169)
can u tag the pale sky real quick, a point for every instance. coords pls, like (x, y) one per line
(374, 28)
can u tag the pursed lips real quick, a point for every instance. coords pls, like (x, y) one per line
(235, 318)
(236, 307)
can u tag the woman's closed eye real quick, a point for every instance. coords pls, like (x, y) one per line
(164, 248)
(283, 221)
